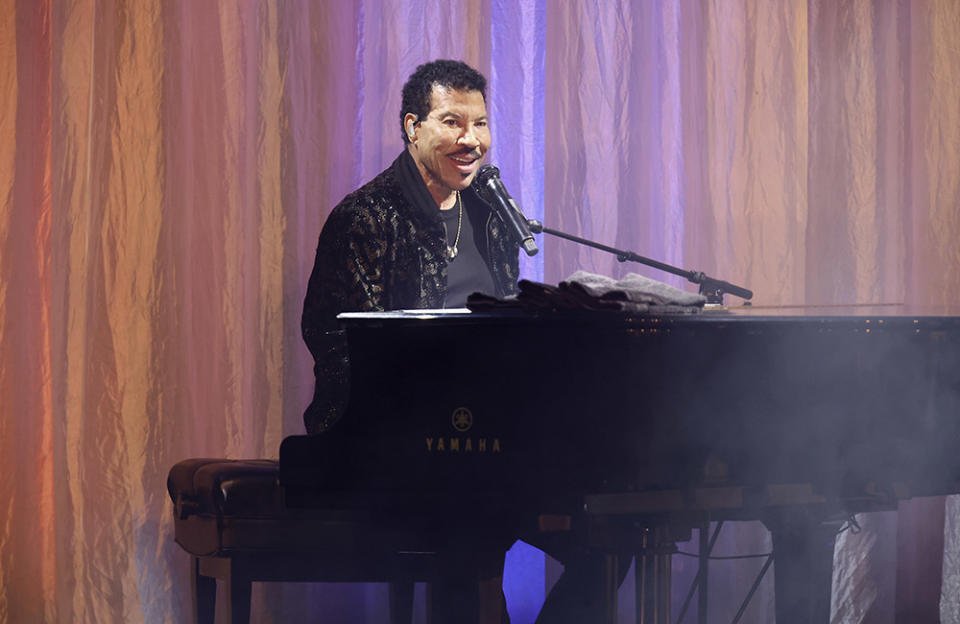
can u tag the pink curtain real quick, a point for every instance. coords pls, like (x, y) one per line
(165, 168)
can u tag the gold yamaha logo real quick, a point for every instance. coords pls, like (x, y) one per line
(462, 419)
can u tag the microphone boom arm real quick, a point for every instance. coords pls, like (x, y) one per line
(713, 289)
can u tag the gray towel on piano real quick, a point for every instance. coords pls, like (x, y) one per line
(587, 292)
(634, 293)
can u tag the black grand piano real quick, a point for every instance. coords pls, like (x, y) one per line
(630, 426)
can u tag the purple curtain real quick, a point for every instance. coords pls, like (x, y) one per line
(165, 168)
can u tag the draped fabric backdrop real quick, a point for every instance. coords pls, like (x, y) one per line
(166, 166)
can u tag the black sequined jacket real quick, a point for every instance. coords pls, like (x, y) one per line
(382, 248)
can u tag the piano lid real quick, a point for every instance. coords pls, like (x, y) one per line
(898, 314)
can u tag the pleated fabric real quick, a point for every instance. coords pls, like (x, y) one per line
(166, 166)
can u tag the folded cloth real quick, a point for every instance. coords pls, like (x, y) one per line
(544, 296)
(632, 288)
(588, 292)
(483, 302)
(536, 297)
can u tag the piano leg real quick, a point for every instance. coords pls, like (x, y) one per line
(652, 577)
(611, 583)
(803, 569)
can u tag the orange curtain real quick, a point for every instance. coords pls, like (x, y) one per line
(165, 167)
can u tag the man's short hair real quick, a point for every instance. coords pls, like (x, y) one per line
(442, 73)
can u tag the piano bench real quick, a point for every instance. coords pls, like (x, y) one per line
(230, 516)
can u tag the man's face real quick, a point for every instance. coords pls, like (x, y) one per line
(449, 145)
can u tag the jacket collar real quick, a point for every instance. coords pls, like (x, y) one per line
(413, 187)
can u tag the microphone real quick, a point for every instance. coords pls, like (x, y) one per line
(492, 191)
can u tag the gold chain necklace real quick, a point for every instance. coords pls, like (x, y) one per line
(452, 251)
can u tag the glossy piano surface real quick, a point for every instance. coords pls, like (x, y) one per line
(549, 409)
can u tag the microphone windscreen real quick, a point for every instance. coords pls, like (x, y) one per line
(480, 182)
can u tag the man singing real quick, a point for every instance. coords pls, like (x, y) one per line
(417, 235)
